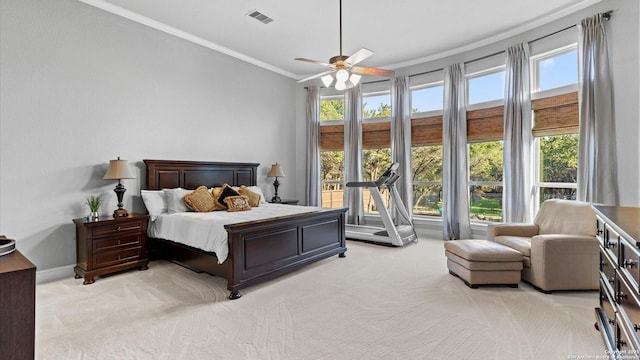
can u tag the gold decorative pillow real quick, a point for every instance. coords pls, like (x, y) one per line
(200, 200)
(254, 199)
(237, 203)
(226, 191)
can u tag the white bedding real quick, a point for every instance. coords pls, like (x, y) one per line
(206, 231)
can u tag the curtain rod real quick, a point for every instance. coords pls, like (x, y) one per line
(605, 15)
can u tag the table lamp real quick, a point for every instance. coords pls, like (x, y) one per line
(118, 170)
(276, 171)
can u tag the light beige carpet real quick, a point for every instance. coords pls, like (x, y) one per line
(377, 303)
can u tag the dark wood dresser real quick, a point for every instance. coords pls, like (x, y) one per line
(17, 307)
(618, 317)
(109, 245)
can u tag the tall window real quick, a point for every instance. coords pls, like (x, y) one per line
(332, 150)
(555, 109)
(426, 166)
(485, 180)
(558, 167)
(426, 148)
(376, 141)
(485, 132)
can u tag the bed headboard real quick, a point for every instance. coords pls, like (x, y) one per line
(167, 174)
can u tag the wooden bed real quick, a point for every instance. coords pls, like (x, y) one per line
(258, 250)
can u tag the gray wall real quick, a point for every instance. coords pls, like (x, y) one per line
(623, 36)
(80, 86)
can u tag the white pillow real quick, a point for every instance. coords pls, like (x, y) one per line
(175, 200)
(257, 190)
(154, 201)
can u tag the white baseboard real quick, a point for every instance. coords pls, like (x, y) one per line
(44, 276)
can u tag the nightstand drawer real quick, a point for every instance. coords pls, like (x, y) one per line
(118, 228)
(117, 242)
(117, 257)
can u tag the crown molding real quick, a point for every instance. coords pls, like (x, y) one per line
(133, 16)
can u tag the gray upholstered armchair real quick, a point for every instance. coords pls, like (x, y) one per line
(560, 250)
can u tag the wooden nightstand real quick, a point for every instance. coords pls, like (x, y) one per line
(109, 245)
(286, 201)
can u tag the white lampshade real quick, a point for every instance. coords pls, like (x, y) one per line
(340, 85)
(118, 169)
(276, 171)
(327, 80)
(355, 79)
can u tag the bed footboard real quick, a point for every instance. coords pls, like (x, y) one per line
(263, 250)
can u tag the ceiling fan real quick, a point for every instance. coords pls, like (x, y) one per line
(347, 75)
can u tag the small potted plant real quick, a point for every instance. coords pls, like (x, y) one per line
(94, 206)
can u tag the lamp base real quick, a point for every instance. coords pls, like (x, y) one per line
(122, 212)
(276, 199)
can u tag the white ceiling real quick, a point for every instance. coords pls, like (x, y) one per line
(401, 32)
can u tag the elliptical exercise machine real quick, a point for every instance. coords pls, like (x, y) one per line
(398, 234)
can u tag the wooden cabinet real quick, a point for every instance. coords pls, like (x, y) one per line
(17, 307)
(618, 314)
(110, 244)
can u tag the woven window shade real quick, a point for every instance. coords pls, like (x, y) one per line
(376, 135)
(556, 115)
(332, 138)
(426, 131)
(485, 124)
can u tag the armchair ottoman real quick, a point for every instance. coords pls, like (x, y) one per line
(482, 262)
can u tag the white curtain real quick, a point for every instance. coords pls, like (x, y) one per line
(352, 154)
(518, 141)
(455, 189)
(401, 141)
(313, 193)
(597, 167)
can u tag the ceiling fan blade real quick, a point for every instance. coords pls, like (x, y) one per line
(359, 56)
(313, 61)
(373, 71)
(315, 76)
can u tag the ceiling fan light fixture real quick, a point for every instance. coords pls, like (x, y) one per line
(327, 80)
(343, 66)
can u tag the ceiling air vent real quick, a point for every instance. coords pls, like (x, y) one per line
(260, 16)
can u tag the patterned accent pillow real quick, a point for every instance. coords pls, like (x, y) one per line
(200, 200)
(254, 199)
(226, 191)
(237, 203)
